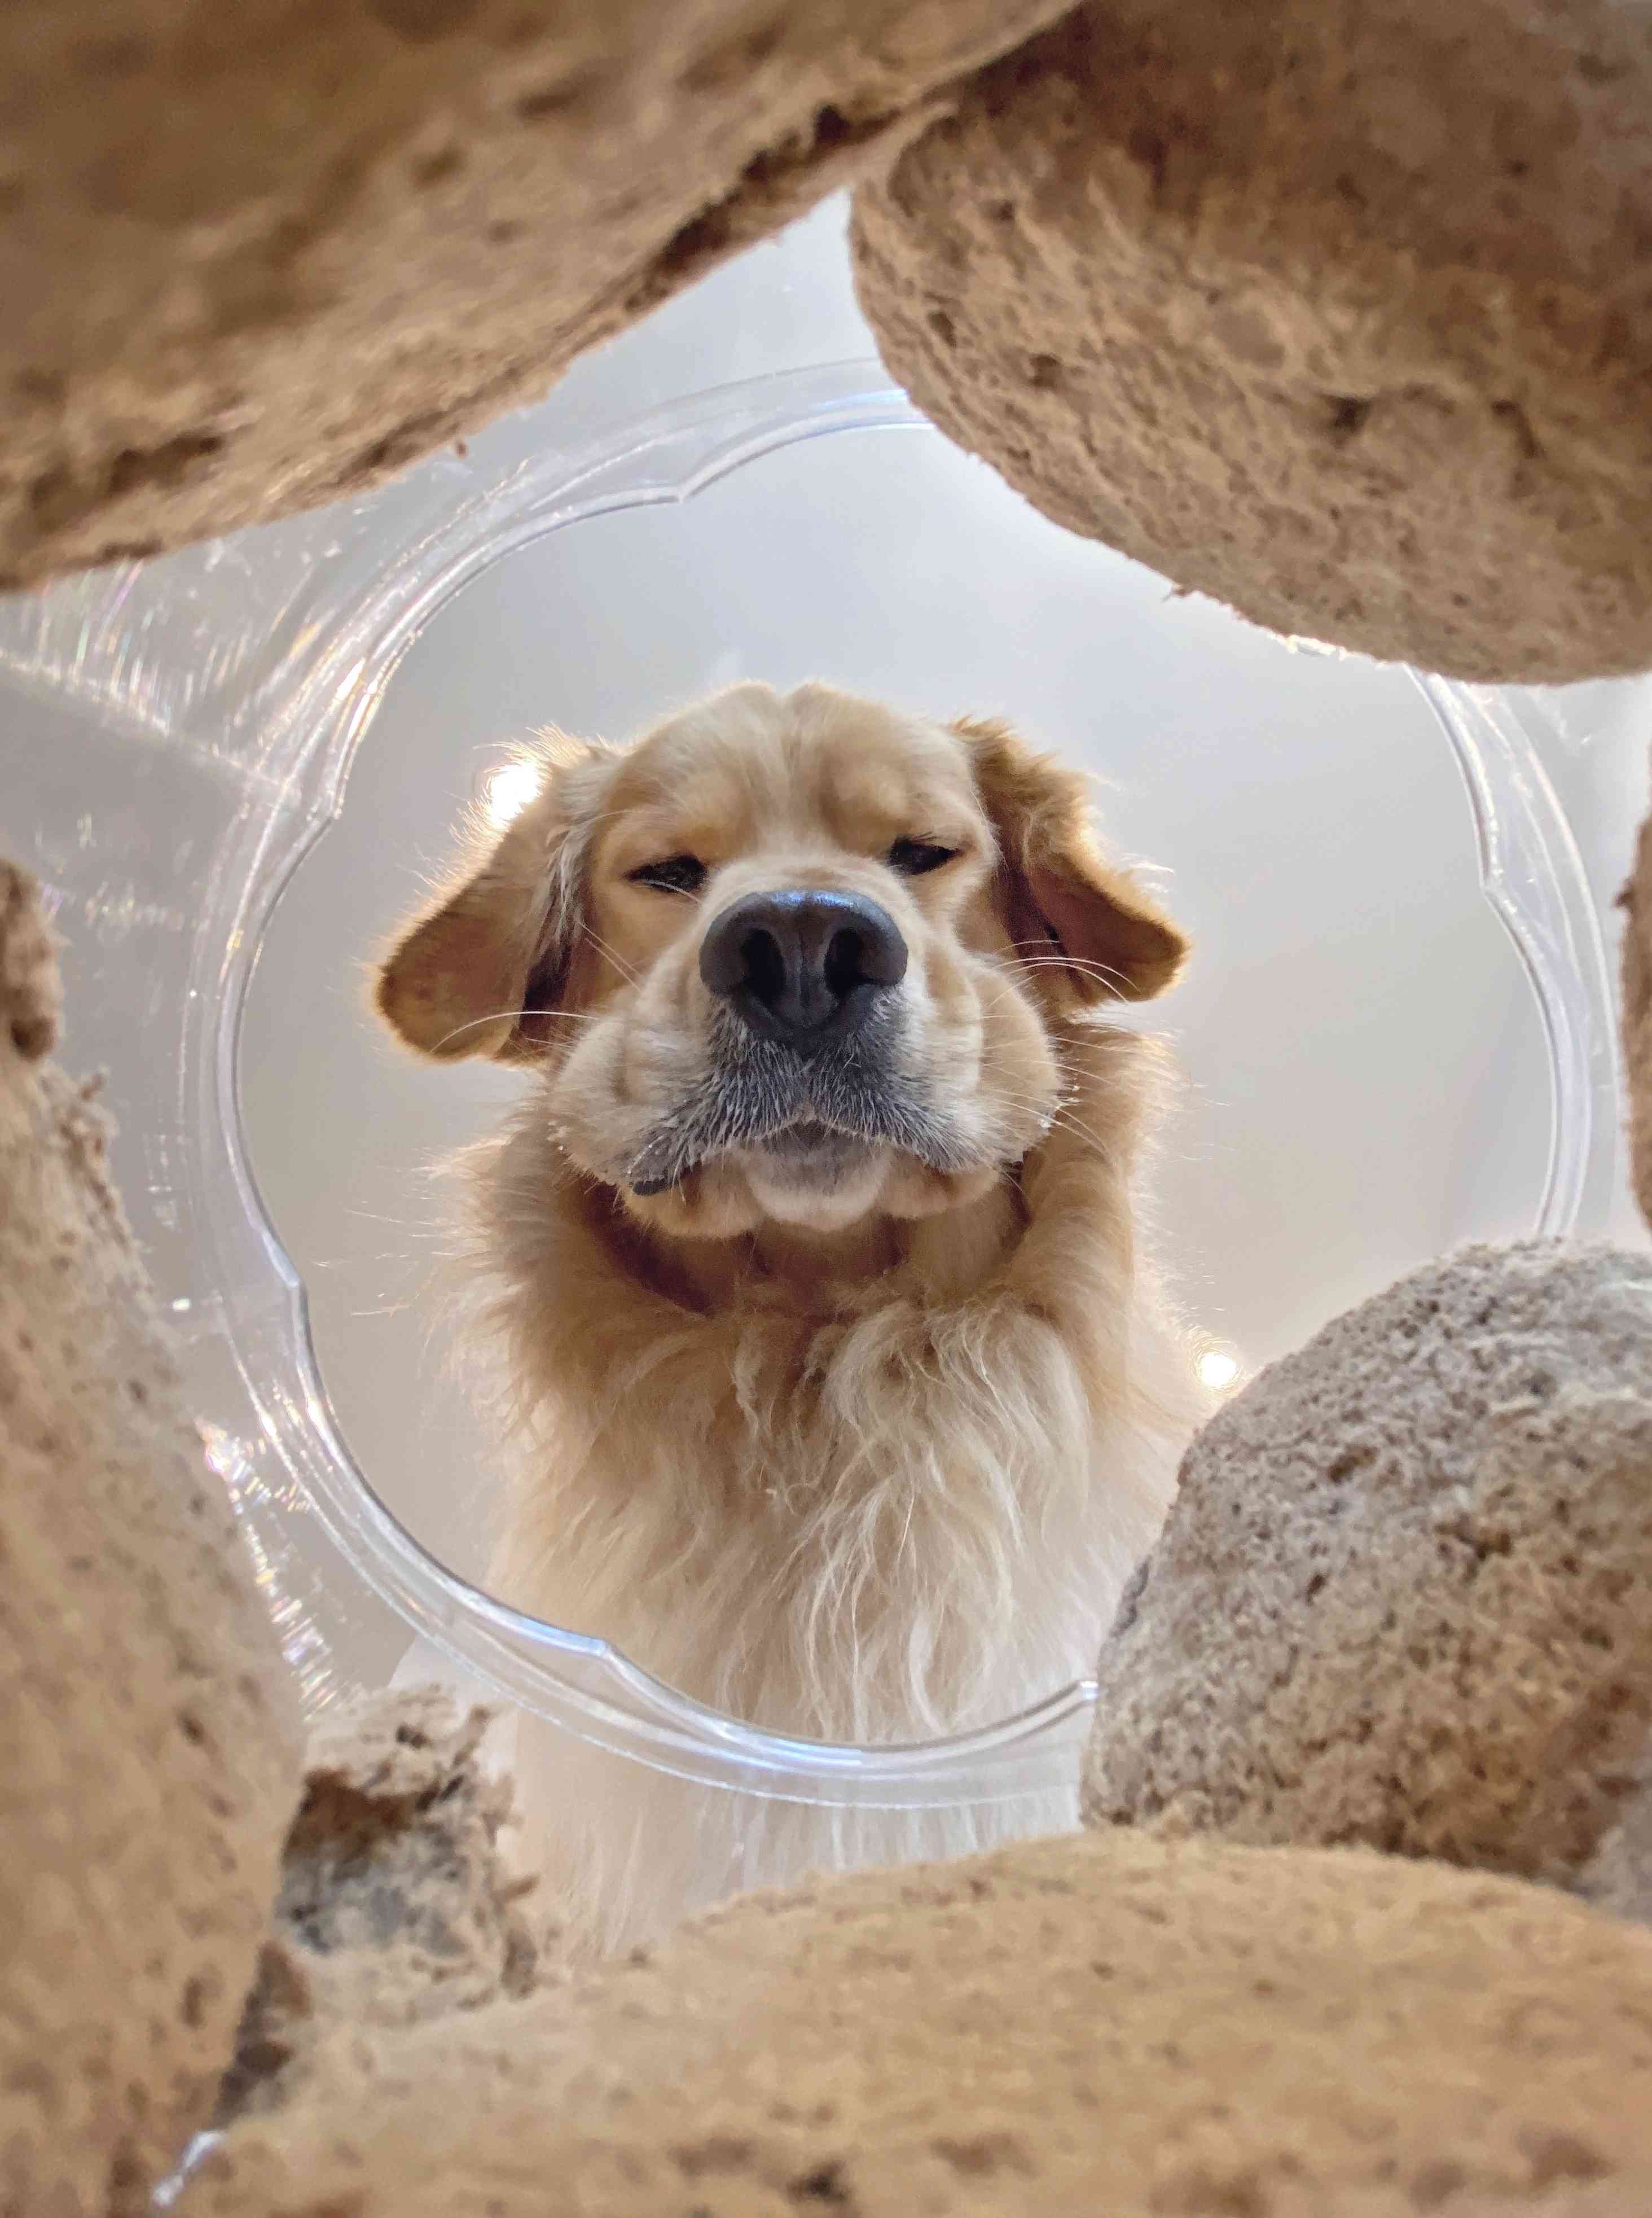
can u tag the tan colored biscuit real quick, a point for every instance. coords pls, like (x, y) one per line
(1404, 1596)
(257, 256)
(1112, 2024)
(148, 1743)
(1337, 310)
(395, 1906)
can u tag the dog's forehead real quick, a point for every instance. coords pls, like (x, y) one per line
(756, 761)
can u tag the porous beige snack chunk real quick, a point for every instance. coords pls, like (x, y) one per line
(1110, 2024)
(1337, 310)
(1404, 1595)
(258, 256)
(148, 1739)
(395, 1905)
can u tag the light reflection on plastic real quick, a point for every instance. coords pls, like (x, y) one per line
(306, 1652)
(1218, 1370)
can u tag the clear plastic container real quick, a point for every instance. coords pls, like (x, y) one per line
(177, 750)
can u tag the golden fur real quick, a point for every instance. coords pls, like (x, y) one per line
(861, 1448)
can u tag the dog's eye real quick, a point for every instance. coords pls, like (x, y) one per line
(915, 859)
(678, 874)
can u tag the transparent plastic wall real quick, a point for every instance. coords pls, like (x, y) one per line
(176, 748)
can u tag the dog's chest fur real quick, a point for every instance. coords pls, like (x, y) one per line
(880, 1521)
(897, 1510)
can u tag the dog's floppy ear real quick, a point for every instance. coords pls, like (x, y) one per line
(1063, 895)
(483, 971)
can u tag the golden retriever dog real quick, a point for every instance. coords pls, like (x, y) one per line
(837, 1393)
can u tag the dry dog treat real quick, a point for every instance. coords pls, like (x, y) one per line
(148, 1756)
(1185, 2029)
(1405, 1595)
(1337, 310)
(258, 257)
(395, 1905)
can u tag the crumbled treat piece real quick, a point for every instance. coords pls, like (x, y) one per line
(1337, 310)
(31, 987)
(1404, 1595)
(1116, 2023)
(260, 257)
(148, 1736)
(395, 1905)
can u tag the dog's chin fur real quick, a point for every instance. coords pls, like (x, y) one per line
(748, 1188)
(846, 1406)
(824, 1187)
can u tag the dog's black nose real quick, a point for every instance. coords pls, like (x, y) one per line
(800, 966)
